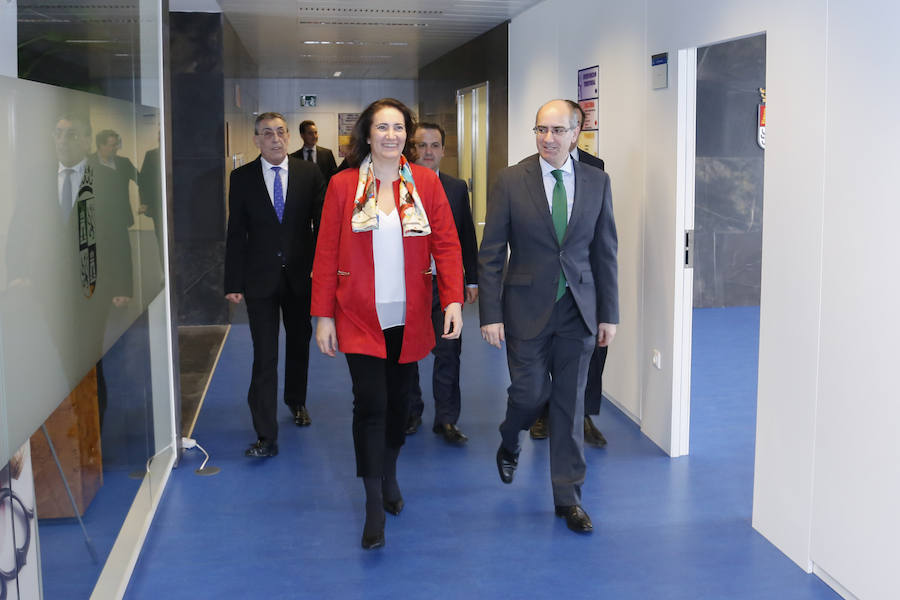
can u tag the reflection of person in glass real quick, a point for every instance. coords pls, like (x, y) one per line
(74, 246)
(381, 224)
(149, 180)
(108, 145)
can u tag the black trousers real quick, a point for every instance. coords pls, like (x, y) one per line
(380, 403)
(553, 364)
(445, 373)
(264, 314)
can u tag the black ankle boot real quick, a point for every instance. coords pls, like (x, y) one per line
(373, 530)
(390, 489)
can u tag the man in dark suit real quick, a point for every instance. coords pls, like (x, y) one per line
(593, 392)
(553, 299)
(275, 203)
(312, 152)
(428, 143)
(107, 155)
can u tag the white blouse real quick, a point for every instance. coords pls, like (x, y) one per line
(390, 281)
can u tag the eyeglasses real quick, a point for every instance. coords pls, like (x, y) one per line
(270, 134)
(542, 130)
(69, 135)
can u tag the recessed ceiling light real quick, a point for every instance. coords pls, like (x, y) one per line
(337, 74)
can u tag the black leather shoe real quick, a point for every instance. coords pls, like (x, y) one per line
(451, 433)
(301, 417)
(538, 430)
(262, 449)
(412, 425)
(592, 435)
(576, 519)
(393, 506)
(506, 464)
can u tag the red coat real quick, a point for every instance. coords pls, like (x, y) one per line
(343, 280)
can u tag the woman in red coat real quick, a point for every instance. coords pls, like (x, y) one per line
(382, 222)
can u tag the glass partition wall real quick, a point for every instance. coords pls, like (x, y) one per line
(87, 431)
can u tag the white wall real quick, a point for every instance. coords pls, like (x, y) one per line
(826, 486)
(334, 96)
(856, 487)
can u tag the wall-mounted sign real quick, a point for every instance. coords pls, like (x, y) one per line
(761, 120)
(588, 142)
(659, 70)
(309, 101)
(591, 120)
(346, 121)
(589, 83)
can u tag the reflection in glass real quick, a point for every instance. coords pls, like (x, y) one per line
(80, 262)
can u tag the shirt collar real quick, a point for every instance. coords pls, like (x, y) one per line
(78, 168)
(267, 165)
(547, 167)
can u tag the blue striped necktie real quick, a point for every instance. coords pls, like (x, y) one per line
(279, 194)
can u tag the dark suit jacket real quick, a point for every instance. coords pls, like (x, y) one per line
(589, 159)
(522, 297)
(257, 245)
(458, 195)
(325, 160)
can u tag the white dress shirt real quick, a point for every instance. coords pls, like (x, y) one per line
(269, 176)
(568, 181)
(76, 176)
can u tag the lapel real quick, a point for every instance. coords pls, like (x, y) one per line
(580, 202)
(534, 184)
(292, 198)
(263, 193)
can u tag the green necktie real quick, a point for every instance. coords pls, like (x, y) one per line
(559, 222)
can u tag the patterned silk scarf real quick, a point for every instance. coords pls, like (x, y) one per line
(365, 212)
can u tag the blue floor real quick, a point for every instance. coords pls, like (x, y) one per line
(290, 527)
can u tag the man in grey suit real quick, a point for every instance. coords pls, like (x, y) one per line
(593, 392)
(553, 299)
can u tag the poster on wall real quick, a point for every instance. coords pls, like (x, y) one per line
(587, 141)
(346, 121)
(589, 83)
(591, 120)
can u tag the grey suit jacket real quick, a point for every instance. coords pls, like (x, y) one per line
(522, 293)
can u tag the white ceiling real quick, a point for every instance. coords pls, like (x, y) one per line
(390, 39)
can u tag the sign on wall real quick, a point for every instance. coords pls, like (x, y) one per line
(346, 121)
(589, 100)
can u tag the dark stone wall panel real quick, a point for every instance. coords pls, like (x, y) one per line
(728, 205)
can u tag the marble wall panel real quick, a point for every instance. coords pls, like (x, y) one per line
(729, 174)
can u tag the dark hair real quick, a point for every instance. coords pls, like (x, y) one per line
(577, 107)
(77, 117)
(306, 124)
(265, 117)
(359, 147)
(433, 126)
(104, 135)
